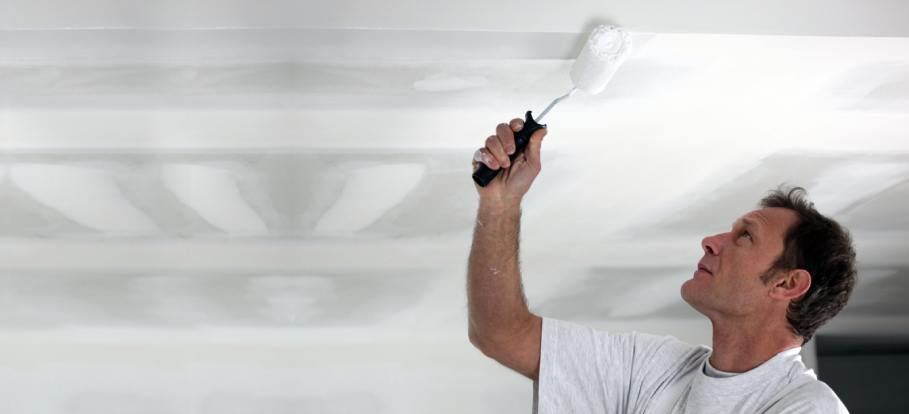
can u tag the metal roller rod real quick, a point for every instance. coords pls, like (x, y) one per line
(554, 102)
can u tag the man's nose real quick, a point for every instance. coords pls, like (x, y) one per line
(713, 245)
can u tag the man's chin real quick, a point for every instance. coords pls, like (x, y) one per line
(686, 290)
(690, 295)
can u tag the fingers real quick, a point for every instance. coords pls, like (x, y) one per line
(506, 136)
(482, 155)
(495, 148)
(499, 146)
(533, 148)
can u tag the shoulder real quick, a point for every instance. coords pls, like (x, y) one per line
(572, 331)
(560, 336)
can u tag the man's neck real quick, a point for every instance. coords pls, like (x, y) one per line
(741, 345)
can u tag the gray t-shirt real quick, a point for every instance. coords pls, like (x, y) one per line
(587, 371)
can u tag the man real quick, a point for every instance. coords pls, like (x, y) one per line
(766, 285)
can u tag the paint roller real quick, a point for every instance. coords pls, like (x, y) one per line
(605, 50)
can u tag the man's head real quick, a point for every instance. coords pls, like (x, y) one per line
(785, 258)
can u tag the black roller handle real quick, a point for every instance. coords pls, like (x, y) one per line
(484, 175)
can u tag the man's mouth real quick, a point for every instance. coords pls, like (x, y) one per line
(704, 268)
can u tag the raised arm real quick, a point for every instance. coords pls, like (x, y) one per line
(500, 324)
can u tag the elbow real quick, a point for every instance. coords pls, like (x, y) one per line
(492, 340)
(475, 339)
(480, 342)
(489, 346)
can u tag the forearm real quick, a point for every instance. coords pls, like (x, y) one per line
(495, 297)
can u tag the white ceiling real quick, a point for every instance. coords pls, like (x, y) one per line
(193, 182)
(810, 17)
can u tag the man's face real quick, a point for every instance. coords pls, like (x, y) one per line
(728, 279)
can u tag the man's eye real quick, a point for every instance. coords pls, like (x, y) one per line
(746, 234)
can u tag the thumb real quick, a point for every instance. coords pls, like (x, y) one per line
(533, 148)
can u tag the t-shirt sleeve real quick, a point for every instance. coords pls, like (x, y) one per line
(583, 370)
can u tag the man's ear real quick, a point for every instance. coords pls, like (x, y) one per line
(791, 285)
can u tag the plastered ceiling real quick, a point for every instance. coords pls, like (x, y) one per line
(197, 186)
